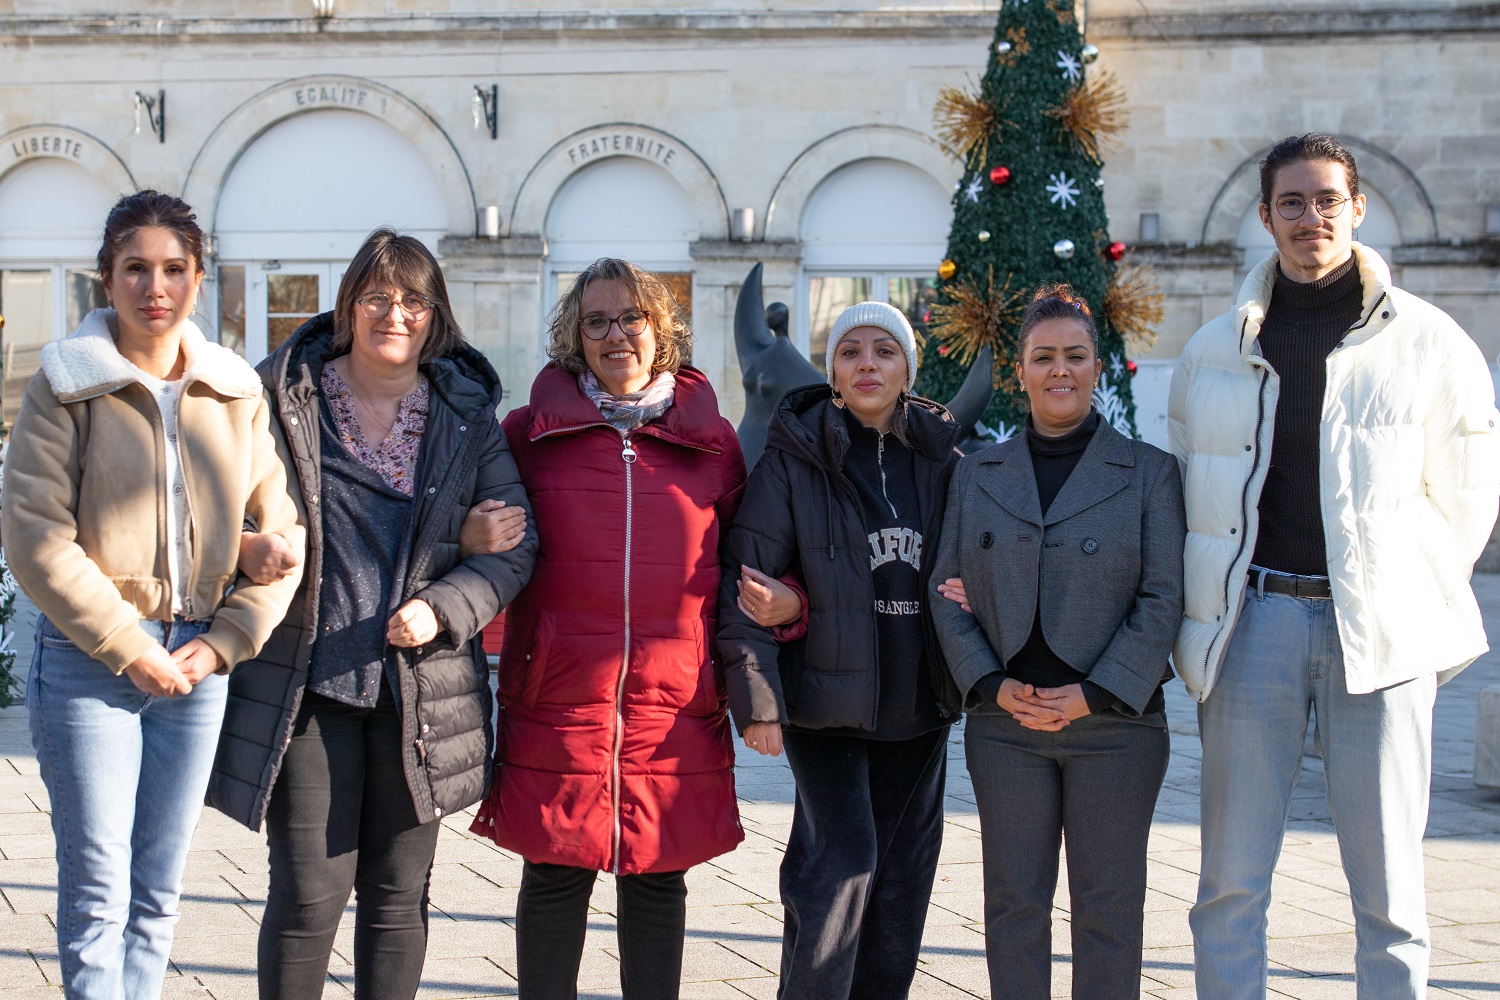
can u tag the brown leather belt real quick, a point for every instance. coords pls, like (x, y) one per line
(1292, 586)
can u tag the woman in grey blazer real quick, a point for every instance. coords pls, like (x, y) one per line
(1066, 542)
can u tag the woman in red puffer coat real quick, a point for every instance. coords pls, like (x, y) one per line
(613, 744)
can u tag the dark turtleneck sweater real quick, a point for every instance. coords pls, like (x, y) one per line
(1053, 460)
(1304, 323)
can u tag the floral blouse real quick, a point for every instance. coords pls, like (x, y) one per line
(395, 458)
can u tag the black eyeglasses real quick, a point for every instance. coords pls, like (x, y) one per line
(1291, 208)
(377, 305)
(632, 323)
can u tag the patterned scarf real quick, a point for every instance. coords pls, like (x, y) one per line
(626, 413)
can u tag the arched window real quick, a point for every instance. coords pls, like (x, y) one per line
(874, 229)
(621, 207)
(297, 205)
(51, 221)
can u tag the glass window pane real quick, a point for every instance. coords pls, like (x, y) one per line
(681, 284)
(26, 304)
(232, 307)
(278, 328)
(913, 296)
(826, 298)
(85, 293)
(292, 293)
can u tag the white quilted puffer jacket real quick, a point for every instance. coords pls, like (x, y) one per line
(1410, 481)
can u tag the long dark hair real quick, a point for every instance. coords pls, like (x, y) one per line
(149, 210)
(389, 258)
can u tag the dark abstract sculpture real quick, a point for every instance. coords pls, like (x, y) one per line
(772, 365)
(769, 360)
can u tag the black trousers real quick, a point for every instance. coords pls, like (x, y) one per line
(341, 819)
(858, 871)
(1094, 785)
(552, 917)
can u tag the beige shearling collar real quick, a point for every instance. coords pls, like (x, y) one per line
(88, 364)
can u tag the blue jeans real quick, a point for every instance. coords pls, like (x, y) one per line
(126, 773)
(1283, 659)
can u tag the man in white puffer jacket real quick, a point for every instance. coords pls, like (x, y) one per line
(1341, 469)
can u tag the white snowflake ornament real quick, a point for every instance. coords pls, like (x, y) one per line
(972, 191)
(1069, 64)
(1064, 189)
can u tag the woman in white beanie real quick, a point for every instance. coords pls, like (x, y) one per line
(849, 495)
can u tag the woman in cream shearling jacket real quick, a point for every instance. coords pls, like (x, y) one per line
(139, 453)
(1408, 481)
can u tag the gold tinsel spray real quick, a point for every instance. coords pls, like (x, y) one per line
(975, 317)
(966, 122)
(1093, 113)
(1133, 304)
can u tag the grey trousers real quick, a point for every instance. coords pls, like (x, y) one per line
(1094, 784)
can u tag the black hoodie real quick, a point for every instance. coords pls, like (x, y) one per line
(802, 512)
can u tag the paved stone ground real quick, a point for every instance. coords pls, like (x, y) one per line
(734, 921)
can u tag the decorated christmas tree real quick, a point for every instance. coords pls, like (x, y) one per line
(1029, 211)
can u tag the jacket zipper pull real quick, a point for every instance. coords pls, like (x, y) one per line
(628, 451)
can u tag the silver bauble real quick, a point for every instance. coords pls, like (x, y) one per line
(1064, 249)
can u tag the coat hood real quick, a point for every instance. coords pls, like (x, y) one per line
(465, 379)
(808, 426)
(558, 406)
(88, 363)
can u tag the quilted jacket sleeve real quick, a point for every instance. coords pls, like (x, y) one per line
(471, 594)
(764, 538)
(1461, 468)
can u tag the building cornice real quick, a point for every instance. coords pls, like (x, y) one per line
(520, 25)
(1344, 21)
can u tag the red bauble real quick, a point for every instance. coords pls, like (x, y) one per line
(942, 350)
(1130, 366)
(1115, 250)
(1000, 175)
(927, 316)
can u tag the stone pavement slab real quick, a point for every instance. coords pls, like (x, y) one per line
(734, 919)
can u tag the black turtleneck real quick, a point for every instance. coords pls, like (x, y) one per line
(1053, 460)
(1304, 323)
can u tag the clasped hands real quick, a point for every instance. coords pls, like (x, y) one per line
(1044, 709)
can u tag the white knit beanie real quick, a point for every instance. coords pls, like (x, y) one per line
(877, 314)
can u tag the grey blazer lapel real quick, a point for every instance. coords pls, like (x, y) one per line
(1010, 481)
(1097, 477)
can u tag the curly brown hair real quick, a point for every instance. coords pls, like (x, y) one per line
(674, 341)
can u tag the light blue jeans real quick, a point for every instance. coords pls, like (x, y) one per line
(126, 773)
(1283, 659)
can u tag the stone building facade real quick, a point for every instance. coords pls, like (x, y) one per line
(698, 139)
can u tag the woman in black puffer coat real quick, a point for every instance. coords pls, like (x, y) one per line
(849, 497)
(367, 717)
